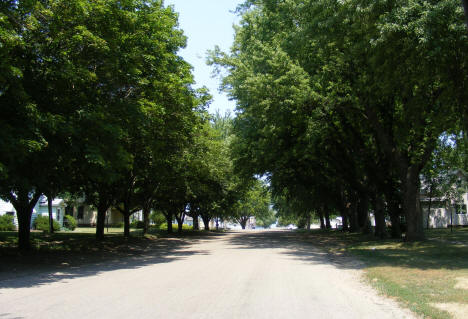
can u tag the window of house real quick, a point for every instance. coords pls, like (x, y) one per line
(58, 213)
(10, 213)
(80, 212)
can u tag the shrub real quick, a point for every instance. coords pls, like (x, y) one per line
(157, 218)
(119, 225)
(6, 223)
(69, 222)
(42, 223)
(174, 227)
(137, 224)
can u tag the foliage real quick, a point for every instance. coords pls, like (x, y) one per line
(266, 220)
(69, 222)
(342, 103)
(6, 223)
(138, 224)
(157, 218)
(184, 227)
(42, 223)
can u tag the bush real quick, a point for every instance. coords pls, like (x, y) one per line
(69, 222)
(42, 223)
(157, 218)
(174, 227)
(137, 224)
(6, 223)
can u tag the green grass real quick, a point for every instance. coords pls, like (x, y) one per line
(83, 239)
(417, 274)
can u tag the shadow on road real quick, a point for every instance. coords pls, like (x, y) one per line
(44, 268)
(293, 245)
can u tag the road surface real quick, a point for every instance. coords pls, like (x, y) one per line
(236, 275)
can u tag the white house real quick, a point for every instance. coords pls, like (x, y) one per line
(58, 208)
(6, 208)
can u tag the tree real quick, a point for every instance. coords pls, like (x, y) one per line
(254, 202)
(299, 70)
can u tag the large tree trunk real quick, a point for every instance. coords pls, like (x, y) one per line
(169, 222)
(196, 225)
(327, 218)
(243, 222)
(322, 221)
(380, 227)
(101, 218)
(51, 219)
(206, 222)
(179, 224)
(24, 207)
(363, 213)
(24, 227)
(353, 219)
(146, 213)
(126, 224)
(308, 221)
(394, 210)
(411, 205)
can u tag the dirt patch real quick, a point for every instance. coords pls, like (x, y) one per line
(457, 310)
(462, 283)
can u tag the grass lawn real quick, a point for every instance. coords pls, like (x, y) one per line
(426, 276)
(83, 239)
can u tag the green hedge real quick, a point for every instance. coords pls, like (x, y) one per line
(6, 223)
(42, 223)
(69, 222)
(174, 227)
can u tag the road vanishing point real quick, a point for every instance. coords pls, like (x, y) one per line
(249, 274)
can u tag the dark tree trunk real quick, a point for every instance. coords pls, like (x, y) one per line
(411, 206)
(327, 218)
(363, 214)
(146, 213)
(353, 220)
(126, 217)
(380, 227)
(206, 222)
(217, 223)
(344, 219)
(24, 208)
(179, 224)
(394, 210)
(169, 222)
(196, 225)
(322, 221)
(308, 221)
(243, 222)
(24, 227)
(51, 219)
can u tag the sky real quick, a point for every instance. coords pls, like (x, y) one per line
(207, 23)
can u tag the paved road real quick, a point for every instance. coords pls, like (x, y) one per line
(237, 275)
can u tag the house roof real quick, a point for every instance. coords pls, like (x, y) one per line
(55, 201)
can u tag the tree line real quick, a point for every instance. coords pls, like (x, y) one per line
(96, 102)
(341, 104)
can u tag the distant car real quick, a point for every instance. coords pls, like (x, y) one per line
(291, 226)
